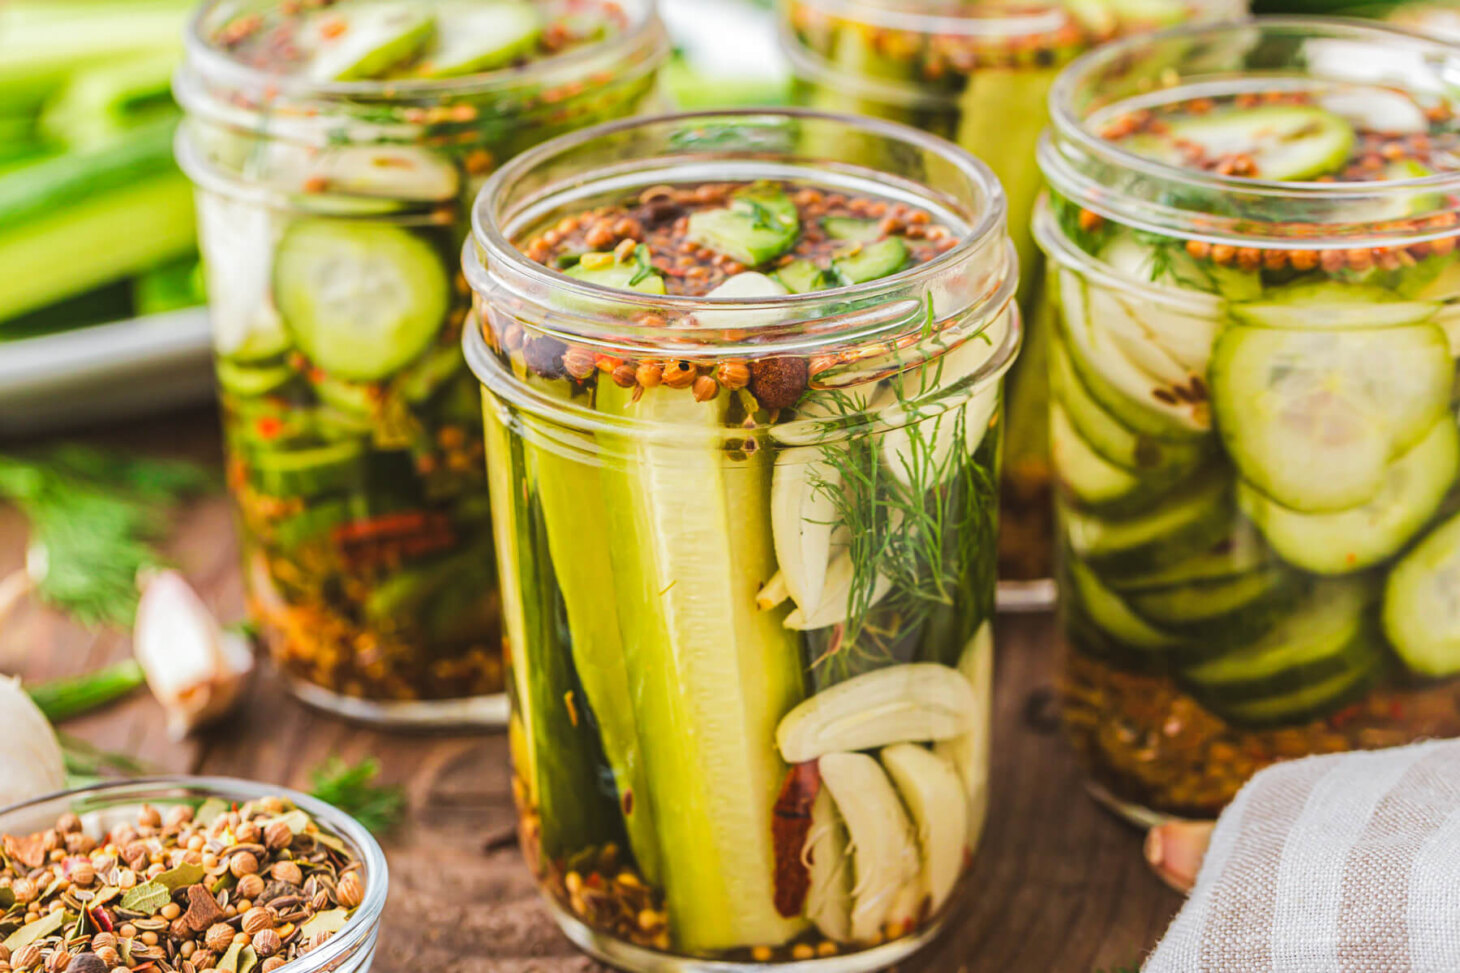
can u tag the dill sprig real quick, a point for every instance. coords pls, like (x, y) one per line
(95, 517)
(352, 789)
(918, 543)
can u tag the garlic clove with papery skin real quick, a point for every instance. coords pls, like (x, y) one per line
(32, 764)
(194, 669)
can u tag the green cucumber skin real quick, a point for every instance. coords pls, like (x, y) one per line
(560, 755)
(573, 513)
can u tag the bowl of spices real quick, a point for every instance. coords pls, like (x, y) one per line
(186, 874)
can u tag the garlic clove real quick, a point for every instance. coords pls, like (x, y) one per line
(33, 764)
(194, 669)
(1175, 851)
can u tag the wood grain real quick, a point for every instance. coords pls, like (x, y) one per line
(1058, 885)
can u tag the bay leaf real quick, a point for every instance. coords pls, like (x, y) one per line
(247, 960)
(210, 810)
(147, 898)
(330, 921)
(229, 961)
(180, 876)
(7, 898)
(296, 819)
(39, 929)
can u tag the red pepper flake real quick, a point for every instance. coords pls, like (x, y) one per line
(790, 824)
(269, 427)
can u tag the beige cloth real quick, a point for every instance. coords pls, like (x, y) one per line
(1347, 863)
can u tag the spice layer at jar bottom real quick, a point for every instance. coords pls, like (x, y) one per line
(331, 236)
(202, 885)
(980, 76)
(1256, 448)
(749, 612)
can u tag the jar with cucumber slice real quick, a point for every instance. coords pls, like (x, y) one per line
(978, 72)
(1253, 262)
(743, 403)
(336, 147)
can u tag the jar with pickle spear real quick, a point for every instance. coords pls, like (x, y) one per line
(742, 394)
(336, 146)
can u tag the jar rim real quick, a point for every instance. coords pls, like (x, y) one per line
(508, 263)
(1069, 150)
(645, 29)
(357, 933)
(969, 22)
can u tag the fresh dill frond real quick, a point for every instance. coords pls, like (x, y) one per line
(352, 789)
(95, 518)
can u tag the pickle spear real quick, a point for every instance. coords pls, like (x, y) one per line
(710, 674)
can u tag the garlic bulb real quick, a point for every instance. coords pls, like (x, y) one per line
(196, 670)
(31, 764)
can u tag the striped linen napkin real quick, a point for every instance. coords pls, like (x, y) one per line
(1348, 863)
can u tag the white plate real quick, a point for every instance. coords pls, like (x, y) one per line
(107, 372)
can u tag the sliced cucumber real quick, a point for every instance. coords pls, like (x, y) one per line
(760, 224)
(1240, 551)
(1422, 604)
(1286, 142)
(1307, 647)
(377, 37)
(852, 229)
(1185, 522)
(362, 300)
(1351, 540)
(309, 472)
(804, 276)
(1085, 475)
(1311, 700)
(252, 381)
(1109, 612)
(1332, 305)
(1112, 441)
(711, 675)
(606, 271)
(1140, 401)
(1312, 418)
(1222, 612)
(481, 35)
(873, 260)
(1168, 340)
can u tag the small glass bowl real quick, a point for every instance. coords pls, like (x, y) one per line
(105, 806)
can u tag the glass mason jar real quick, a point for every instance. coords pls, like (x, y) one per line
(331, 216)
(676, 712)
(979, 75)
(1254, 380)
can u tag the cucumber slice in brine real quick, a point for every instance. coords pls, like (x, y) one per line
(1313, 418)
(481, 35)
(369, 40)
(362, 300)
(1422, 604)
(1351, 540)
(1285, 142)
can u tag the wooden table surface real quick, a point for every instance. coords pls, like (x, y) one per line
(1058, 885)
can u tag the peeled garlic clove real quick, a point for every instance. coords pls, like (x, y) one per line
(803, 516)
(33, 764)
(969, 752)
(933, 794)
(194, 669)
(883, 850)
(1175, 851)
(829, 862)
(773, 593)
(910, 703)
